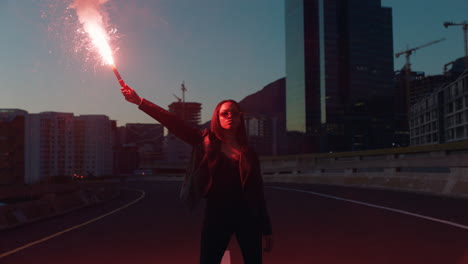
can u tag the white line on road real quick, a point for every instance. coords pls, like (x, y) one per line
(377, 206)
(74, 227)
(226, 257)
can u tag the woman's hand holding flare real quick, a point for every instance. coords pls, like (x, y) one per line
(130, 95)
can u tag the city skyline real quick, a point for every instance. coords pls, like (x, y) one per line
(229, 50)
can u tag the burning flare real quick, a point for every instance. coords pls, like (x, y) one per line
(101, 41)
(90, 16)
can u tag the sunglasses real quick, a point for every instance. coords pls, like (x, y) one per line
(226, 114)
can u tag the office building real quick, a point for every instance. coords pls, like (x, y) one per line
(49, 146)
(148, 140)
(262, 133)
(53, 146)
(94, 143)
(12, 141)
(339, 74)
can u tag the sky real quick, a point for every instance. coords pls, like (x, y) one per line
(220, 48)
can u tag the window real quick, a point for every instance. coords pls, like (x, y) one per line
(458, 118)
(450, 107)
(455, 89)
(449, 134)
(460, 131)
(458, 104)
(450, 121)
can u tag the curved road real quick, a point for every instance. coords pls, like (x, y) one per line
(311, 224)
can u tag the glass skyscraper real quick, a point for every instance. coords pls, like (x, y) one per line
(339, 74)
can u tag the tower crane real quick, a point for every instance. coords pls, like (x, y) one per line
(408, 53)
(182, 100)
(183, 91)
(464, 25)
(178, 98)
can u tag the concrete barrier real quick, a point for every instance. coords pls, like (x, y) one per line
(437, 169)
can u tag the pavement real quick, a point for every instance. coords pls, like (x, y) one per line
(311, 224)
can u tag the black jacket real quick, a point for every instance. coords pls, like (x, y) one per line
(199, 177)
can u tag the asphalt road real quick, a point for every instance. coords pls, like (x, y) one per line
(311, 224)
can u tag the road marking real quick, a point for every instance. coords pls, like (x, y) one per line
(226, 257)
(74, 227)
(377, 206)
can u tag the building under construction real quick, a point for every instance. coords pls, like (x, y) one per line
(420, 86)
(441, 116)
(188, 111)
(177, 151)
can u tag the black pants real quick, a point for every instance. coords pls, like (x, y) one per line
(217, 231)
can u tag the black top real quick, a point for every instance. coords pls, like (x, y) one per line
(226, 191)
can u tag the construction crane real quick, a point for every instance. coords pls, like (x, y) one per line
(178, 98)
(182, 100)
(183, 93)
(408, 53)
(464, 25)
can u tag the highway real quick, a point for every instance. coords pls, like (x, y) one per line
(311, 224)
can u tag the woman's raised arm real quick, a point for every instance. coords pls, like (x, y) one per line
(173, 123)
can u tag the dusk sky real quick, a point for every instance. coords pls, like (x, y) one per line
(220, 48)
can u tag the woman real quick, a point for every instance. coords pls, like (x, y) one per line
(224, 171)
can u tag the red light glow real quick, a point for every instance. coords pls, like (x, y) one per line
(100, 41)
(91, 16)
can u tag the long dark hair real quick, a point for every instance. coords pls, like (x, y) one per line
(241, 134)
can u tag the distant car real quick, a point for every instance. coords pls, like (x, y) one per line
(143, 172)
